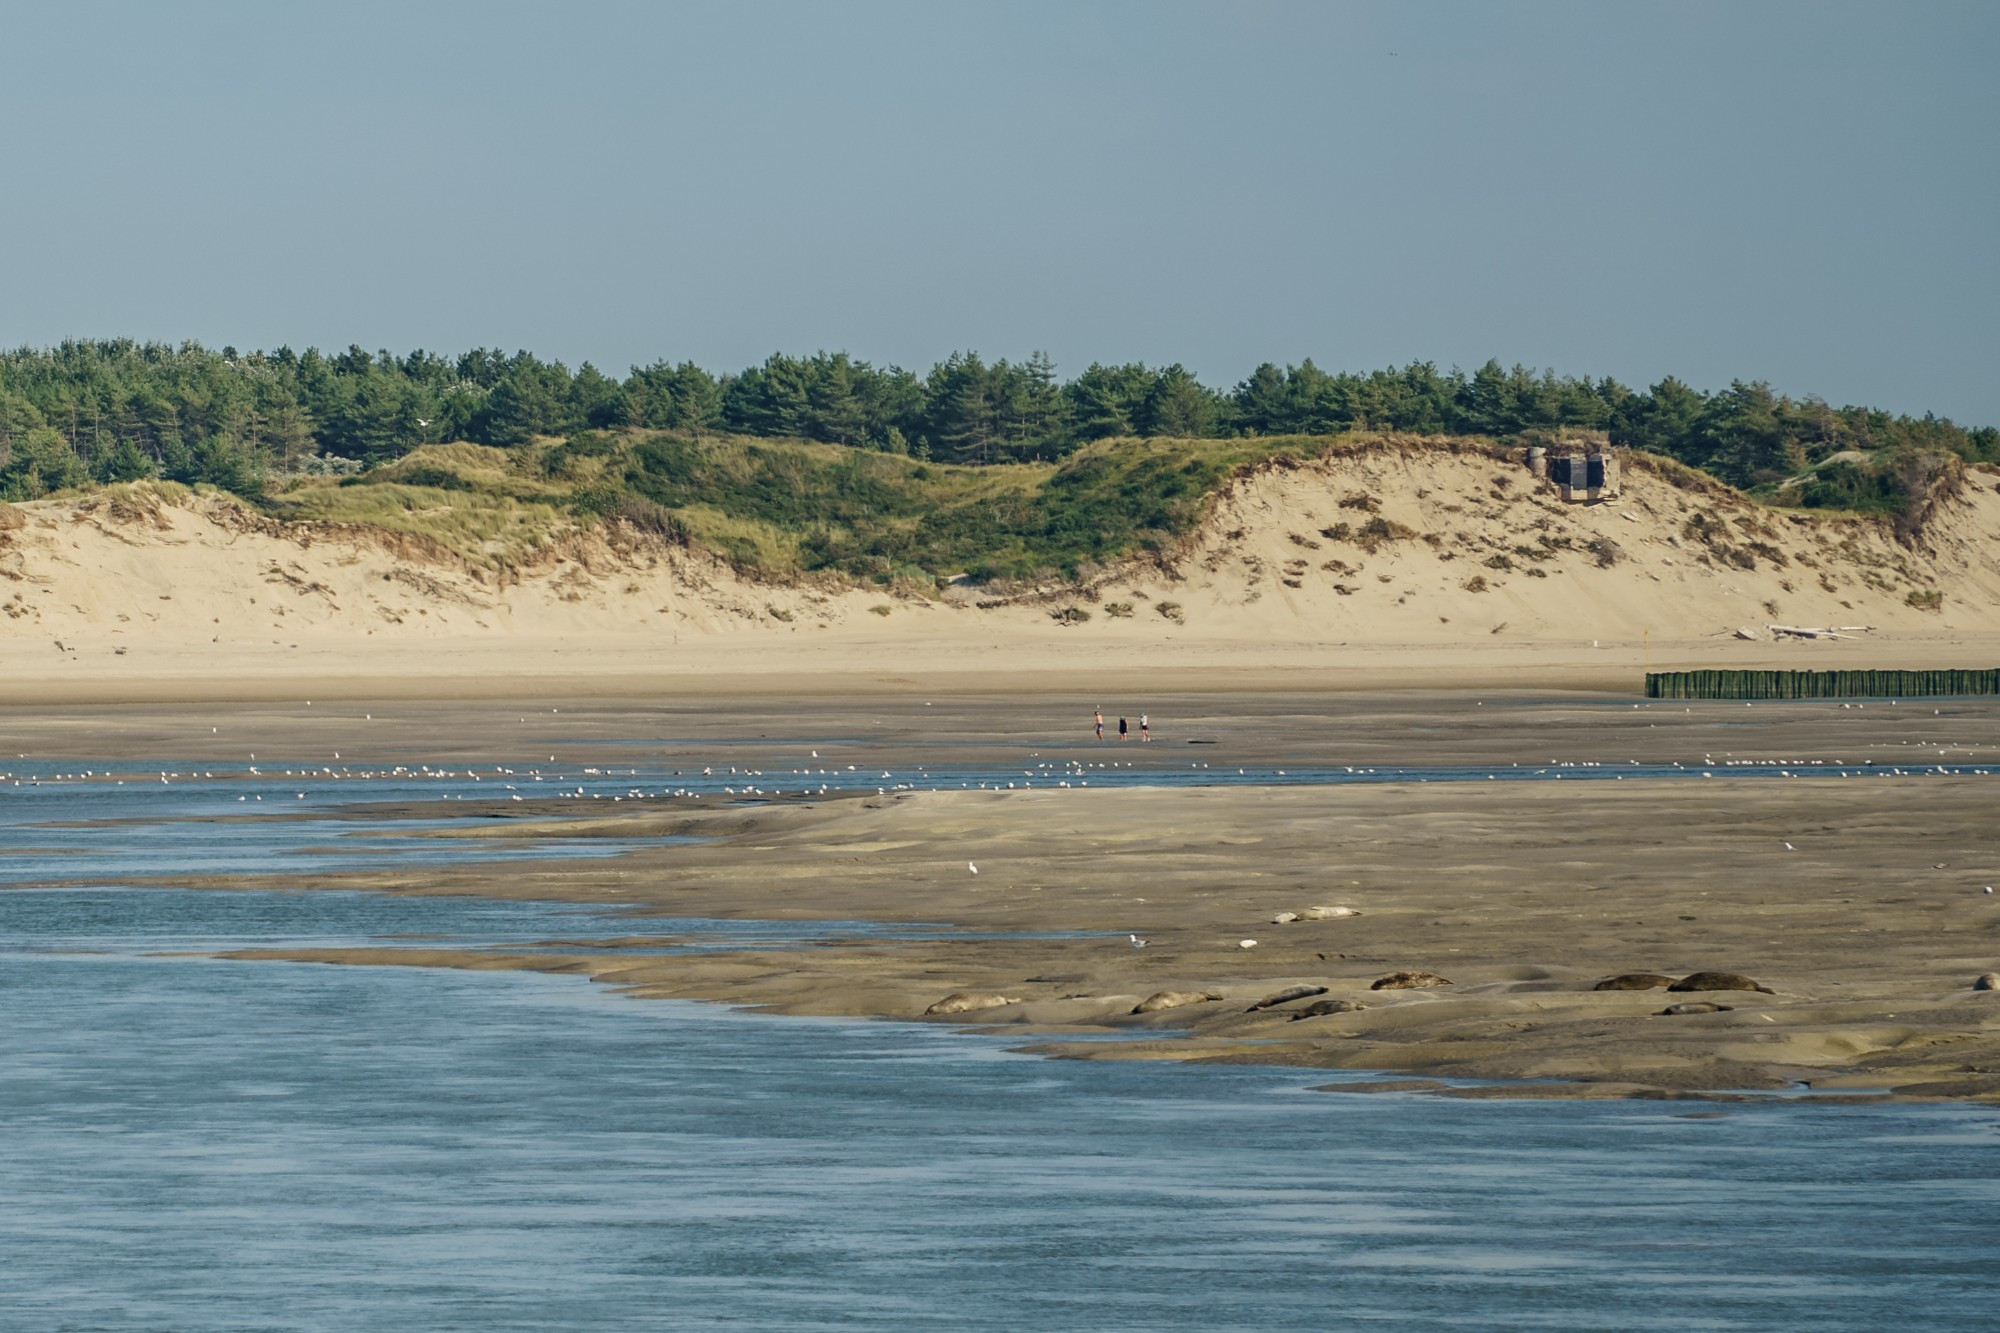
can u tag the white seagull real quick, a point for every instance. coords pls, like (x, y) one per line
(973, 868)
(1138, 943)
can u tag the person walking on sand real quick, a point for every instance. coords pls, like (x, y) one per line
(1100, 724)
(1145, 728)
(1121, 728)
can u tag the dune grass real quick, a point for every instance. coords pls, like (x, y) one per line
(785, 507)
(480, 526)
(792, 506)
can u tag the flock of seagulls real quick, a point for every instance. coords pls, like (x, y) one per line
(810, 781)
(596, 783)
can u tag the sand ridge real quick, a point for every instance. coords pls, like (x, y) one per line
(1871, 957)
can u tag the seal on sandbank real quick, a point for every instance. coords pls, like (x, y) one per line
(1321, 1008)
(1696, 1007)
(1172, 999)
(1410, 981)
(1315, 914)
(1285, 996)
(1635, 981)
(1718, 981)
(1986, 981)
(961, 1002)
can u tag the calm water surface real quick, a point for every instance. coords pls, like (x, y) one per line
(191, 1144)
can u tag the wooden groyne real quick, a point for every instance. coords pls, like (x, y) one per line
(1818, 684)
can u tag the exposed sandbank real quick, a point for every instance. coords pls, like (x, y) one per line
(1870, 928)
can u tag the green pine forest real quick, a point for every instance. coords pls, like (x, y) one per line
(826, 462)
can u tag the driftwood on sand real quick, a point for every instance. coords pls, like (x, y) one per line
(1817, 631)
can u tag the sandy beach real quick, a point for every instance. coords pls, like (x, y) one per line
(1868, 929)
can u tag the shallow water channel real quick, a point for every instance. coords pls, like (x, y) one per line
(188, 1143)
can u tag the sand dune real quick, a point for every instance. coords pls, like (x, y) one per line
(1402, 562)
(1463, 545)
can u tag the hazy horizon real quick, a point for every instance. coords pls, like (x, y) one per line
(1796, 193)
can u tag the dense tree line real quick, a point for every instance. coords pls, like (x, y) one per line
(120, 410)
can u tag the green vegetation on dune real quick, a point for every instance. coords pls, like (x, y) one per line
(882, 515)
(798, 507)
(794, 506)
(480, 527)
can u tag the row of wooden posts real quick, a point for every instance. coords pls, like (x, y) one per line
(1818, 684)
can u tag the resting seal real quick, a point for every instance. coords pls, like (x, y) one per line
(1987, 981)
(1285, 996)
(959, 1002)
(1172, 999)
(1321, 1008)
(1409, 981)
(1635, 981)
(1696, 1007)
(1718, 981)
(1326, 913)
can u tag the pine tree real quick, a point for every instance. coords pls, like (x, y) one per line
(958, 409)
(1261, 402)
(1176, 405)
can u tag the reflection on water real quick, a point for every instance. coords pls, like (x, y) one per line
(118, 920)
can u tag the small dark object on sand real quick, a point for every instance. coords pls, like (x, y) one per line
(1285, 996)
(1635, 981)
(1986, 981)
(1409, 981)
(1718, 981)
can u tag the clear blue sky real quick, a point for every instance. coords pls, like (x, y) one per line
(1804, 193)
